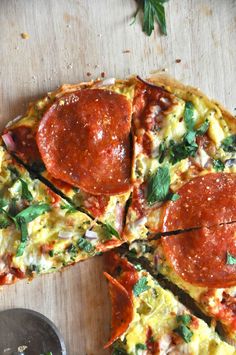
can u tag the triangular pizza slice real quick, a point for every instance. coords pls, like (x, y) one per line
(39, 231)
(202, 262)
(148, 319)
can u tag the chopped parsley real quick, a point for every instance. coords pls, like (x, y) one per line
(230, 259)
(185, 333)
(153, 10)
(182, 150)
(141, 286)
(162, 152)
(229, 143)
(140, 346)
(25, 192)
(182, 329)
(110, 231)
(158, 185)
(118, 350)
(189, 116)
(69, 208)
(203, 128)
(218, 165)
(184, 318)
(84, 244)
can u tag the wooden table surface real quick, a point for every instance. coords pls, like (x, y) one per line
(74, 40)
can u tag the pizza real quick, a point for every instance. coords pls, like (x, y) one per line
(146, 164)
(40, 232)
(147, 319)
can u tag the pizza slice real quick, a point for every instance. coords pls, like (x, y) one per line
(203, 263)
(184, 157)
(78, 139)
(40, 232)
(147, 319)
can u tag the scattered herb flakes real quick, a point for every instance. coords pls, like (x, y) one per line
(184, 318)
(138, 267)
(33, 211)
(110, 231)
(132, 253)
(84, 244)
(189, 116)
(179, 151)
(25, 192)
(118, 350)
(230, 259)
(218, 165)
(184, 332)
(229, 143)
(51, 253)
(140, 346)
(141, 286)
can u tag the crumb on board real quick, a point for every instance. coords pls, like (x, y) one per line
(164, 69)
(103, 74)
(25, 35)
(88, 73)
(126, 51)
(178, 60)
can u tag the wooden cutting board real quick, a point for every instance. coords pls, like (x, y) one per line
(74, 40)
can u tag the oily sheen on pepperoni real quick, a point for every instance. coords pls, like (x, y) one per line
(204, 201)
(200, 256)
(84, 140)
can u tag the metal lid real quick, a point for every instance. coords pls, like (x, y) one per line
(26, 332)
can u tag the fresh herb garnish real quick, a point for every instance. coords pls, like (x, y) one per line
(141, 286)
(158, 186)
(152, 10)
(25, 192)
(183, 330)
(229, 143)
(230, 259)
(118, 350)
(110, 231)
(14, 173)
(218, 165)
(162, 152)
(189, 115)
(69, 208)
(84, 244)
(185, 333)
(184, 318)
(179, 151)
(203, 128)
(140, 346)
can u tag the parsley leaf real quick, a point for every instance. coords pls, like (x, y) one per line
(140, 346)
(25, 192)
(188, 116)
(162, 152)
(68, 207)
(229, 143)
(203, 128)
(231, 260)
(218, 165)
(184, 332)
(153, 10)
(158, 185)
(141, 286)
(110, 231)
(188, 147)
(118, 350)
(85, 245)
(184, 318)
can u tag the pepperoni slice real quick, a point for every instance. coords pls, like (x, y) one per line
(200, 256)
(84, 140)
(122, 309)
(204, 201)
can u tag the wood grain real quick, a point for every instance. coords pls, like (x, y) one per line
(68, 41)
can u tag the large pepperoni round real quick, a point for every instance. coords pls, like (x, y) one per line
(204, 257)
(204, 201)
(84, 140)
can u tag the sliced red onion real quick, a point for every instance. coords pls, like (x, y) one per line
(230, 162)
(9, 142)
(65, 235)
(91, 234)
(106, 82)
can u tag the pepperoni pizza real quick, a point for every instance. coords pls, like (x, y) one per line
(127, 162)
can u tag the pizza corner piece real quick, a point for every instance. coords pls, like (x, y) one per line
(39, 231)
(148, 319)
(203, 264)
